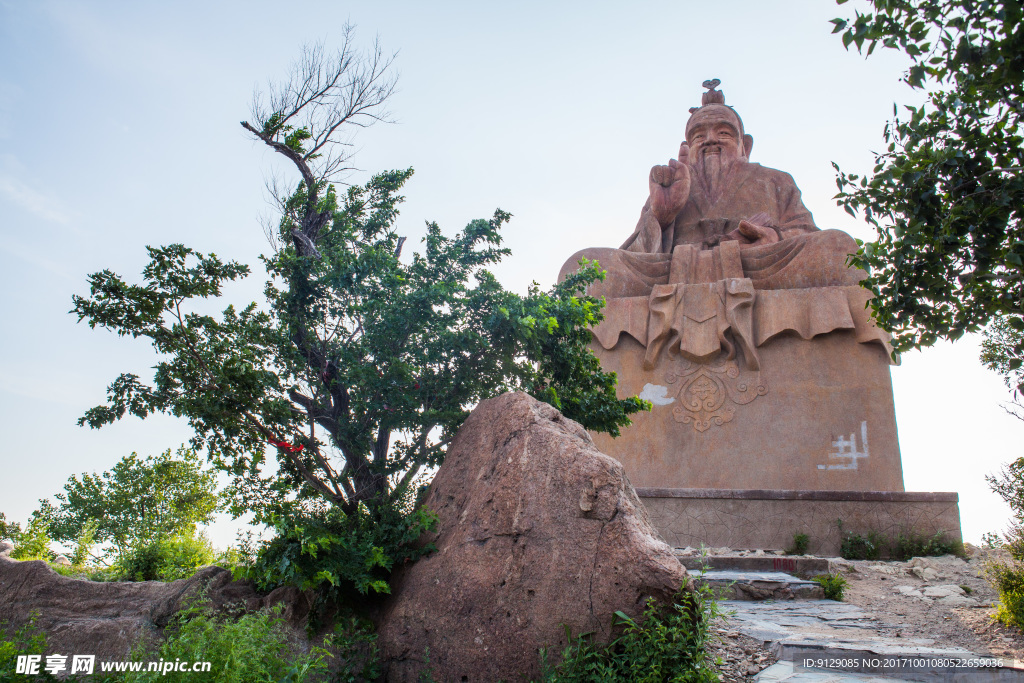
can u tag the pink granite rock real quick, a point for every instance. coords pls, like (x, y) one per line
(109, 619)
(537, 529)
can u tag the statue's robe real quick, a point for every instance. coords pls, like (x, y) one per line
(682, 289)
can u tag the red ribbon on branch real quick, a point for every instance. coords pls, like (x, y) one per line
(285, 446)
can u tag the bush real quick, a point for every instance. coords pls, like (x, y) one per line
(669, 643)
(27, 640)
(913, 545)
(166, 558)
(834, 585)
(858, 547)
(1008, 580)
(800, 544)
(342, 557)
(34, 542)
(254, 647)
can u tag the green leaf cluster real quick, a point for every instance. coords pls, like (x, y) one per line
(667, 643)
(253, 647)
(946, 195)
(165, 558)
(342, 557)
(834, 585)
(26, 639)
(362, 364)
(139, 500)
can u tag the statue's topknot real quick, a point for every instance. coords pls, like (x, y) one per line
(712, 96)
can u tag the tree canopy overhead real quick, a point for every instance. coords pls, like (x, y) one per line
(947, 194)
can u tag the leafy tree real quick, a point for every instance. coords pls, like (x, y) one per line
(999, 353)
(362, 364)
(34, 542)
(947, 194)
(139, 499)
(8, 530)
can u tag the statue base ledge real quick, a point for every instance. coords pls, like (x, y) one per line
(769, 519)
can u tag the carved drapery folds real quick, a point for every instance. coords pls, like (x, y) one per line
(698, 322)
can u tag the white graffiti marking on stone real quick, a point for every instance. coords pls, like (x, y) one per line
(656, 394)
(846, 450)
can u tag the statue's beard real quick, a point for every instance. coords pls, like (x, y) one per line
(713, 169)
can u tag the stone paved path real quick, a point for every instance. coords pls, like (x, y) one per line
(814, 631)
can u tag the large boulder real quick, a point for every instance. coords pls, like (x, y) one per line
(537, 530)
(109, 619)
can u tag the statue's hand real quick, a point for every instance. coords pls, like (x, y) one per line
(670, 188)
(753, 232)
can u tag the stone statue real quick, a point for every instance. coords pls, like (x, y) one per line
(713, 195)
(726, 288)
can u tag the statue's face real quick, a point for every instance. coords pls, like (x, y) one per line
(714, 131)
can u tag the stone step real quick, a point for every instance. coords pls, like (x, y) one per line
(796, 565)
(737, 585)
(857, 647)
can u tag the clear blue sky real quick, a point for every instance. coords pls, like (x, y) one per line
(119, 129)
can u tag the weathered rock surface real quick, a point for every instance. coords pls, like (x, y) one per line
(537, 529)
(108, 619)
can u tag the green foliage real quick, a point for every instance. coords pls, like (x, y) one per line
(800, 544)
(34, 542)
(991, 540)
(26, 640)
(833, 584)
(1008, 580)
(361, 364)
(355, 645)
(908, 545)
(859, 547)
(254, 647)
(8, 530)
(138, 500)
(363, 358)
(946, 195)
(84, 543)
(165, 558)
(667, 644)
(342, 556)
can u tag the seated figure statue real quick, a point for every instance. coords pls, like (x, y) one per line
(725, 260)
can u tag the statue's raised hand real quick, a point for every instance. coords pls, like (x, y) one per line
(670, 187)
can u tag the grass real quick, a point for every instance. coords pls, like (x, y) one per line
(834, 585)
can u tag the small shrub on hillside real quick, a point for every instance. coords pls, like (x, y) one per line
(34, 542)
(800, 544)
(991, 540)
(27, 640)
(1008, 580)
(166, 558)
(834, 585)
(254, 647)
(84, 543)
(668, 643)
(911, 545)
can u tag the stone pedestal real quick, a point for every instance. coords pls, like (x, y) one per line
(760, 519)
(817, 415)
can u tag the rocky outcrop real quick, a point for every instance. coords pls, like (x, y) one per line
(108, 619)
(537, 529)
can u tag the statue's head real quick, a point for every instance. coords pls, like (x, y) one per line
(715, 129)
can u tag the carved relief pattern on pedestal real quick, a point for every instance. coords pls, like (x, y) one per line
(709, 392)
